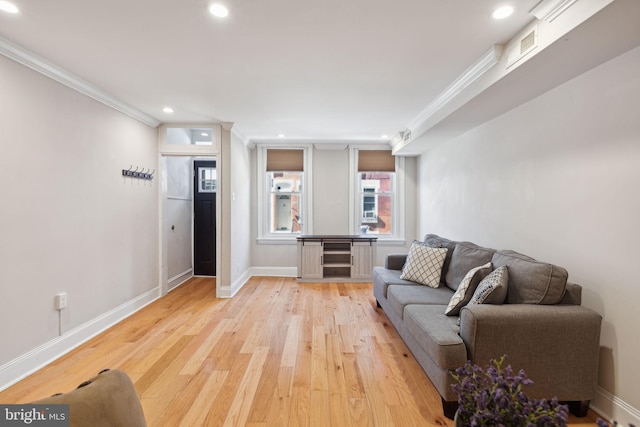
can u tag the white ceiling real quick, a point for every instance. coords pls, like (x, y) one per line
(331, 70)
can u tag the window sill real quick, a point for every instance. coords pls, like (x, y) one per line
(277, 240)
(391, 242)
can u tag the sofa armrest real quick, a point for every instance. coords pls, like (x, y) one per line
(395, 261)
(557, 345)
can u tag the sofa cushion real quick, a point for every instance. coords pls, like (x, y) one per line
(424, 264)
(383, 278)
(467, 287)
(437, 334)
(465, 256)
(436, 241)
(493, 288)
(401, 295)
(531, 281)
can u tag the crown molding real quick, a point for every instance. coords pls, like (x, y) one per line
(44, 67)
(242, 137)
(548, 10)
(487, 61)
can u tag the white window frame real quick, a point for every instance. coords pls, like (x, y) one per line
(265, 236)
(397, 235)
(373, 185)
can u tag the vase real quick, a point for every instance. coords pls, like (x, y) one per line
(457, 421)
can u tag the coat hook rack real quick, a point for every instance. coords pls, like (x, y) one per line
(141, 174)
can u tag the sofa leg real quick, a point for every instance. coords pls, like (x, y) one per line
(378, 304)
(579, 408)
(449, 408)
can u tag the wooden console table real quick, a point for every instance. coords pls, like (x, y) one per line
(331, 258)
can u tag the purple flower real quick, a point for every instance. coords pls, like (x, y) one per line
(494, 397)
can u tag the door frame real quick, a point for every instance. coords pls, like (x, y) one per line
(220, 150)
(165, 226)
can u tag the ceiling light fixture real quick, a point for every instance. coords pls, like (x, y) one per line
(8, 7)
(204, 134)
(502, 12)
(168, 110)
(218, 10)
(384, 136)
(281, 135)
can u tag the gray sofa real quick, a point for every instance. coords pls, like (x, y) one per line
(541, 327)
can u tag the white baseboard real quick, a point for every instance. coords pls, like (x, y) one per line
(611, 407)
(230, 291)
(274, 271)
(179, 279)
(26, 364)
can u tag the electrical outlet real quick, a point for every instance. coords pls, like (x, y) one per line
(60, 301)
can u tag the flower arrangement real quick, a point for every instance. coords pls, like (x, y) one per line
(495, 397)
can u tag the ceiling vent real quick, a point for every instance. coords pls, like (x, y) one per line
(523, 47)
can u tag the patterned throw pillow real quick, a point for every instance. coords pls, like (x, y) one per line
(424, 264)
(493, 288)
(466, 289)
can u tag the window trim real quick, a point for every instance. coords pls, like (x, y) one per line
(397, 235)
(264, 233)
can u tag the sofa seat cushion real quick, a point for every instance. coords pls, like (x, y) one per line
(401, 295)
(383, 278)
(531, 281)
(436, 333)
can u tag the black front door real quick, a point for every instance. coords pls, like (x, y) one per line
(204, 222)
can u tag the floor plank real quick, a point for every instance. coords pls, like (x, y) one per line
(280, 353)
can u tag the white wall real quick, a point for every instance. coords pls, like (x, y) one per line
(240, 211)
(557, 178)
(331, 191)
(179, 207)
(69, 221)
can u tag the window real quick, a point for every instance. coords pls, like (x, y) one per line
(207, 180)
(285, 201)
(375, 200)
(282, 203)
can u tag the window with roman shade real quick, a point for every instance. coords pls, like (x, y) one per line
(376, 192)
(285, 191)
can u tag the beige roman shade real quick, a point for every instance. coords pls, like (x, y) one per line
(285, 160)
(376, 161)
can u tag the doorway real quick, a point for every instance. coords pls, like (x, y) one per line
(204, 217)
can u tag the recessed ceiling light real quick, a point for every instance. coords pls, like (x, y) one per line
(218, 10)
(384, 136)
(168, 110)
(204, 134)
(281, 135)
(8, 7)
(502, 12)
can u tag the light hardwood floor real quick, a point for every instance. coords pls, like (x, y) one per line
(280, 353)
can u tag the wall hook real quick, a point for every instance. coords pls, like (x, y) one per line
(138, 172)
